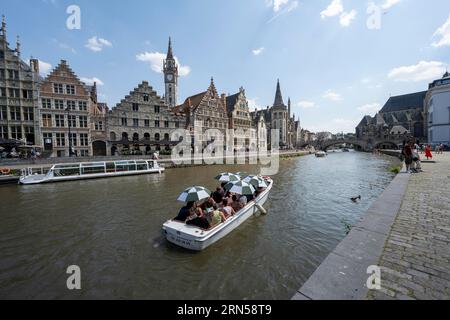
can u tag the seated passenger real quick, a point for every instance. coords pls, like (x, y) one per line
(227, 209)
(243, 201)
(218, 195)
(236, 205)
(217, 217)
(185, 212)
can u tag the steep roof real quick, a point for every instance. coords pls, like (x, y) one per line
(231, 102)
(405, 102)
(278, 96)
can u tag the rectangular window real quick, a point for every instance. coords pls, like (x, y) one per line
(99, 126)
(15, 113)
(46, 103)
(83, 121)
(2, 74)
(60, 140)
(4, 132)
(72, 121)
(2, 54)
(146, 97)
(135, 123)
(13, 74)
(135, 107)
(59, 120)
(2, 92)
(58, 88)
(16, 132)
(177, 124)
(82, 105)
(14, 93)
(28, 114)
(59, 104)
(157, 123)
(73, 139)
(47, 120)
(70, 89)
(166, 124)
(124, 122)
(84, 153)
(157, 109)
(147, 123)
(84, 139)
(27, 94)
(3, 113)
(71, 105)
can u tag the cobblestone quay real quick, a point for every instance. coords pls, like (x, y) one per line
(406, 233)
(416, 259)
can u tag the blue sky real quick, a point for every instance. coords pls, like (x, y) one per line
(333, 66)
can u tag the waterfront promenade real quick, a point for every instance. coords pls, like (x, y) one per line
(406, 233)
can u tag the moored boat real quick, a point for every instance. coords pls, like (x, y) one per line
(197, 239)
(91, 170)
(321, 154)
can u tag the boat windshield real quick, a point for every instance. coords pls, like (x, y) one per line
(93, 168)
(122, 166)
(64, 170)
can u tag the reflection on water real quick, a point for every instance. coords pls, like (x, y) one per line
(111, 228)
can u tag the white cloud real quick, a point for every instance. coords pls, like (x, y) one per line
(44, 67)
(444, 33)
(424, 70)
(257, 52)
(332, 95)
(370, 108)
(90, 81)
(97, 44)
(389, 3)
(276, 4)
(335, 8)
(306, 104)
(347, 17)
(292, 6)
(253, 104)
(156, 60)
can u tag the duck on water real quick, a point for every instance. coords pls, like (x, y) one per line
(209, 217)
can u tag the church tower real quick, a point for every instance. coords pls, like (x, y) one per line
(171, 77)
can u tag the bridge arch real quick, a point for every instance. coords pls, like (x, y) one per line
(329, 144)
(386, 145)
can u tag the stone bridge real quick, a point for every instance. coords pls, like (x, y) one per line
(359, 144)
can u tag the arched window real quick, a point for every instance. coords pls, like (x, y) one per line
(166, 137)
(125, 136)
(157, 137)
(147, 136)
(135, 137)
(112, 136)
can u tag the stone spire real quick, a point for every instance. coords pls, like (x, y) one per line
(289, 107)
(4, 26)
(18, 46)
(169, 51)
(278, 96)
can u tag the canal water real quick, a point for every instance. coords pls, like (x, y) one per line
(111, 229)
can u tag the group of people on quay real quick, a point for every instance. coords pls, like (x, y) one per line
(217, 208)
(411, 152)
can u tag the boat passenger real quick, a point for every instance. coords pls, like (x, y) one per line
(198, 219)
(185, 212)
(236, 205)
(227, 209)
(218, 195)
(243, 201)
(217, 217)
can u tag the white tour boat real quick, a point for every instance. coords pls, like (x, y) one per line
(91, 170)
(197, 239)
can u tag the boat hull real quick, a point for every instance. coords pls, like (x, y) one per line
(40, 179)
(193, 238)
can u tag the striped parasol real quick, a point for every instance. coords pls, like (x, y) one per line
(240, 187)
(194, 194)
(227, 177)
(242, 174)
(256, 181)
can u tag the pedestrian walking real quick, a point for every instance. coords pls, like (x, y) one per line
(408, 154)
(428, 153)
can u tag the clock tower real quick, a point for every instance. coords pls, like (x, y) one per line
(171, 77)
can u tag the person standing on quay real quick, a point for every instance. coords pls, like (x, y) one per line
(428, 153)
(408, 154)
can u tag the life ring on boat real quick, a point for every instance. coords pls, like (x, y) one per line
(5, 171)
